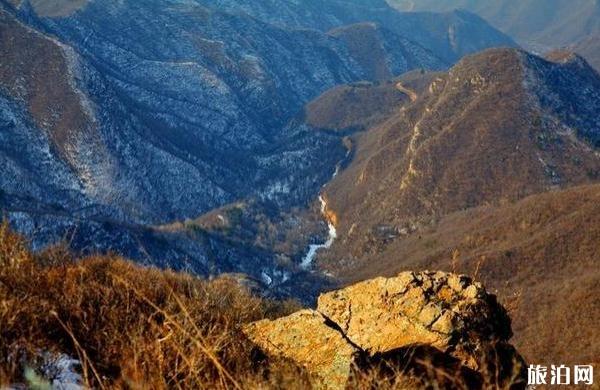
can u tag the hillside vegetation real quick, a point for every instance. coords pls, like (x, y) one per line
(539, 255)
(130, 327)
(494, 165)
(104, 322)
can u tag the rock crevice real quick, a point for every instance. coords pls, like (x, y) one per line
(441, 315)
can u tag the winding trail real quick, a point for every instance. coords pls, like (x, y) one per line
(409, 92)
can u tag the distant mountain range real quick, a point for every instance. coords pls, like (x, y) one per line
(538, 24)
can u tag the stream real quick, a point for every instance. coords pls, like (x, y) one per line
(314, 248)
(308, 259)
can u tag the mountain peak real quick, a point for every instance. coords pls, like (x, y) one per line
(500, 125)
(569, 58)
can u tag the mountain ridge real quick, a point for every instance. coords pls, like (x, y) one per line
(530, 22)
(163, 112)
(500, 180)
(471, 87)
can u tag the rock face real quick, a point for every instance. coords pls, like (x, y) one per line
(448, 313)
(306, 337)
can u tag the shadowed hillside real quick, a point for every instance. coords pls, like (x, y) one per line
(539, 24)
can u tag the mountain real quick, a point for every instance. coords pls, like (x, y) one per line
(380, 52)
(449, 35)
(538, 24)
(492, 164)
(498, 126)
(120, 118)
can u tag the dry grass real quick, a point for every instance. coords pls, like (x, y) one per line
(131, 327)
(422, 366)
(142, 328)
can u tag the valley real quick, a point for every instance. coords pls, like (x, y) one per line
(153, 124)
(278, 150)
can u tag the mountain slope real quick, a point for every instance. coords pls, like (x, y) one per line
(449, 35)
(154, 103)
(489, 171)
(536, 23)
(382, 53)
(121, 117)
(539, 254)
(499, 126)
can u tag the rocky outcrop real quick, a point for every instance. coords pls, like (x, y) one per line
(308, 338)
(439, 316)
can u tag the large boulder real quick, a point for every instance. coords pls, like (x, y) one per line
(441, 314)
(306, 338)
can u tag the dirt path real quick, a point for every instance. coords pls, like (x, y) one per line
(409, 92)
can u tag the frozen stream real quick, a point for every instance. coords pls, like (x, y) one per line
(313, 249)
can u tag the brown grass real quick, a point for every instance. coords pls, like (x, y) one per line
(142, 328)
(131, 327)
(356, 106)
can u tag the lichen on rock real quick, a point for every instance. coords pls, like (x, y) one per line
(446, 313)
(306, 338)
